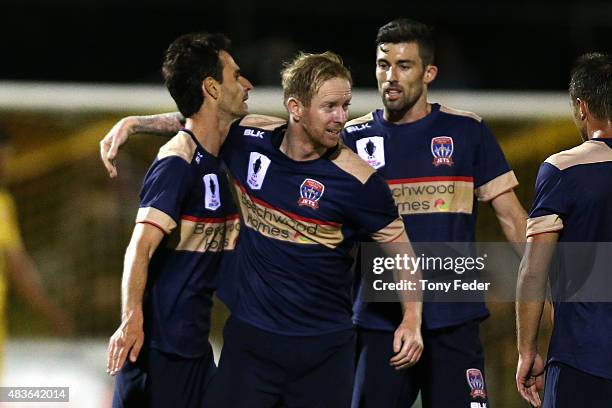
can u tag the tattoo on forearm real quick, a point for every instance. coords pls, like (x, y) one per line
(162, 124)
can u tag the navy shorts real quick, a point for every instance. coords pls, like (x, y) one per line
(159, 379)
(449, 373)
(260, 369)
(567, 387)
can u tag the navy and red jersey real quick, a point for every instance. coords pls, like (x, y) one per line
(185, 194)
(574, 198)
(438, 168)
(300, 221)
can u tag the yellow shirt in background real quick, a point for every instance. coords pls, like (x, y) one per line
(9, 239)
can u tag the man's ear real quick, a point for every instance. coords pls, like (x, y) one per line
(431, 71)
(211, 88)
(583, 108)
(295, 108)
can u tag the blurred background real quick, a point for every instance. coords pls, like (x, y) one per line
(70, 69)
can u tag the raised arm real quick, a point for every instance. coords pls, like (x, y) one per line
(165, 124)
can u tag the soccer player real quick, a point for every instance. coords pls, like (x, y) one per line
(185, 221)
(17, 268)
(439, 163)
(572, 204)
(304, 199)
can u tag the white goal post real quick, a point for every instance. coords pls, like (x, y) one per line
(44, 96)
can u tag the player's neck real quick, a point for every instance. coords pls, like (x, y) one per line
(418, 111)
(600, 129)
(209, 129)
(298, 146)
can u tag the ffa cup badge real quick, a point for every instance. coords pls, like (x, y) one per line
(256, 172)
(311, 192)
(442, 150)
(476, 382)
(212, 199)
(372, 150)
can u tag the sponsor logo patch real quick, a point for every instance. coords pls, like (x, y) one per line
(442, 148)
(476, 382)
(198, 157)
(212, 197)
(355, 128)
(256, 172)
(440, 204)
(254, 133)
(311, 192)
(372, 150)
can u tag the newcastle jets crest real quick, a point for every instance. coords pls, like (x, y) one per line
(442, 149)
(476, 382)
(311, 192)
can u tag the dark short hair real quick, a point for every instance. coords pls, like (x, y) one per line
(187, 62)
(591, 81)
(407, 30)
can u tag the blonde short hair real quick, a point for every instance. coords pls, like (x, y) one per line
(303, 76)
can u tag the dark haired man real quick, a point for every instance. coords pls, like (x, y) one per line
(185, 221)
(418, 147)
(572, 204)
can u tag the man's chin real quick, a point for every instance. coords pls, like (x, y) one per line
(332, 141)
(395, 105)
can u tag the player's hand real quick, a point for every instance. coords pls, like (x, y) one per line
(530, 377)
(109, 145)
(407, 346)
(128, 338)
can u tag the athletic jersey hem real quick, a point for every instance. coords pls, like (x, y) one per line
(596, 373)
(349, 326)
(155, 345)
(477, 316)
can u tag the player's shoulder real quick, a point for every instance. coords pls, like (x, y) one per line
(585, 153)
(261, 122)
(181, 146)
(460, 114)
(360, 126)
(361, 120)
(350, 163)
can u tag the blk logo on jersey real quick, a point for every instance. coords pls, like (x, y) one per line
(254, 133)
(442, 149)
(212, 198)
(311, 192)
(256, 173)
(372, 150)
(355, 128)
(476, 382)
